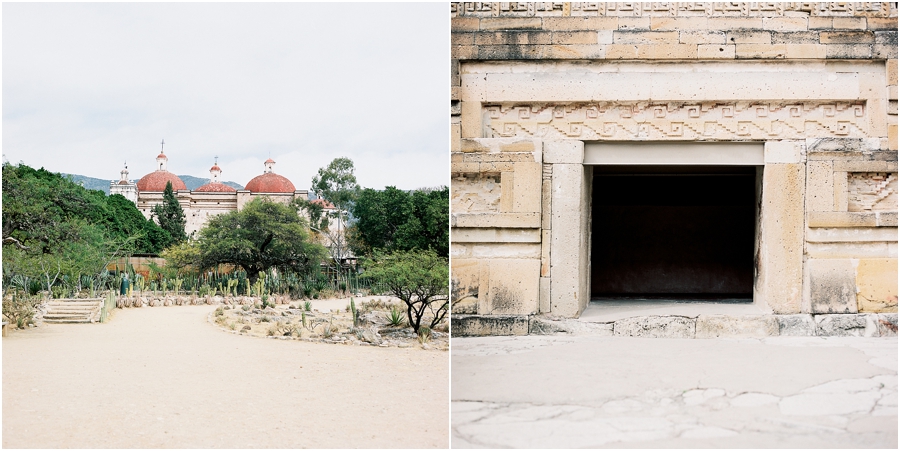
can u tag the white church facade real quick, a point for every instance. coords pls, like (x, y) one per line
(208, 200)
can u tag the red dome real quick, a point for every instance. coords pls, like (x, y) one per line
(215, 188)
(270, 183)
(162, 155)
(215, 168)
(156, 181)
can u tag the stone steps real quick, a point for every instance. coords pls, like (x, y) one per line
(73, 311)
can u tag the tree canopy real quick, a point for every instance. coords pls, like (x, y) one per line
(263, 234)
(170, 215)
(418, 278)
(393, 219)
(336, 183)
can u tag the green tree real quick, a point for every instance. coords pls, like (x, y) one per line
(170, 215)
(393, 219)
(336, 183)
(264, 234)
(418, 278)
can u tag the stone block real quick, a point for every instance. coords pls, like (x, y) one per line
(512, 220)
(494, 235)
(679, 23)
(467, 38)
(847, 37)
(849, 51)
(634, 23)
(510, 52)
(545, 295)
(510, 23)
(621, 51)
(574, 37)
(840, 219)
(464, 24)
(545, 252)
(886, 218)
(580, 23)
(546, 190)
(876, 285)
(474, 325)
(512, 287)
(892, 136)
(796, 325)
(886, 37)
(511, 37)
(604, 37)
(711, 51)
(666, 51)
(795, 37)
(735, 23)
(881, 23)
(820, 23)
(760, 51)
(891, 67)
(780, 277)
(539, 326)
(748, 37)
(785, 23)
(819, 186)
(832, 286)
(463, 52)
(806, 51)
(865, 166)
(850, 325)
(570, 238)
(645, 37)
(886, 323)
(715, 326)
(526, 187)
(575, 51)
(784, 151)
(655, 327)
(464, 279)
(564, 151)
(884, 51)
(849, 23)
(701, 37)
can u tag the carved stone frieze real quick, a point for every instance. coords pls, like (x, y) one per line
(760, 120)
(872, 191)
(669, 9)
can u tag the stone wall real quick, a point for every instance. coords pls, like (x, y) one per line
(532, 82)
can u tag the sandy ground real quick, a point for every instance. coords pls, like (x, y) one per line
(618, 392)
(165, 378)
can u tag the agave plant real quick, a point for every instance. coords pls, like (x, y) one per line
(395, 317)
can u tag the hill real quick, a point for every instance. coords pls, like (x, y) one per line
(190, 181)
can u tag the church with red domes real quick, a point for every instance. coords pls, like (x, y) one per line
(208, 200)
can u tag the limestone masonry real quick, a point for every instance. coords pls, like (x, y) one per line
(793, 102)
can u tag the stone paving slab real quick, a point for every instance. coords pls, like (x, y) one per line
(566, 391)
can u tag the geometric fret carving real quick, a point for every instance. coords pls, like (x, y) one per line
(669, 9)
(741, 120)
(872, 191)
(475, 194)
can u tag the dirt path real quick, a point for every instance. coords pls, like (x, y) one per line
(165, 378)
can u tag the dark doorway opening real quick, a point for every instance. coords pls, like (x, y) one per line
(673, 232)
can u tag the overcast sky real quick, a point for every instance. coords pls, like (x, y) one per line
(89, 86)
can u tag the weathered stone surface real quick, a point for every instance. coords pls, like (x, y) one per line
(655, 327)
(509, 286)
(841, 325)
(538, 326)
(796, 325)
(477, 325)
(886, 323)
(715, 326)
(781, 272)
(569, 255)
(876, 285)
(832, 286)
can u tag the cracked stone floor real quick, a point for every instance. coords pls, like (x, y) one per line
(567, 391)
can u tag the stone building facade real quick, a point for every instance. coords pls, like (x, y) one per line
(208, 200)
(564, 115)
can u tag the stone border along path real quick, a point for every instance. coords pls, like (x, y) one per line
(588, 391)
(162, 378)
(677, 326)
(210, 318)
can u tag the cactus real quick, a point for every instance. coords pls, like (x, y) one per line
(355, 313)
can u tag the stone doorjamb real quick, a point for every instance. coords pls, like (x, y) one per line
(778, 285)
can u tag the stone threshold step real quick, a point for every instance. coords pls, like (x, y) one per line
(681, 326)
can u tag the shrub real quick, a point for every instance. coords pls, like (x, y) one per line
(419, 279)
